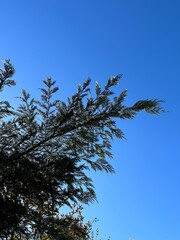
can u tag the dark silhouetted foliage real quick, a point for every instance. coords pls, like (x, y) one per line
(46, 148)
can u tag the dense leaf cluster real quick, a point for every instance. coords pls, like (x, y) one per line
(46, 148)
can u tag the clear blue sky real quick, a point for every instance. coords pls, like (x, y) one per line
(72, 40)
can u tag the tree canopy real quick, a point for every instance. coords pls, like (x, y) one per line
(46, 148)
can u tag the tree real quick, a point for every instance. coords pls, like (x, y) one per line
(46, 148)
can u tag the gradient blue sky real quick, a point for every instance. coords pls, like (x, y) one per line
(71, 40)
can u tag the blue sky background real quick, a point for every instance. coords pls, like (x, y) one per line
(72, 40)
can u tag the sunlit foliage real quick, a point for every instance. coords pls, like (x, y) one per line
(46, 148)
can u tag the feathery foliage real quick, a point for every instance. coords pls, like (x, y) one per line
(46, 148)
